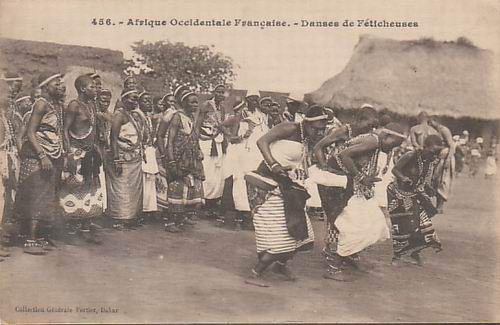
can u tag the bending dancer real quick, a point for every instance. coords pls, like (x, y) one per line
(333, 196)
(409, 201)
(355, 221)
(277, 196)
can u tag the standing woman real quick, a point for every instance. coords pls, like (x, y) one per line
(124, 183)
(277, 195)
(409, 201)
(170, 108)
(183, 163)
(41, 163)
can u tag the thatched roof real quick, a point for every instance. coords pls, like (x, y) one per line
(455, 79)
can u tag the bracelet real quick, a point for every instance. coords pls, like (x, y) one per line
(41, 155)
(359, 177)
(272, 165)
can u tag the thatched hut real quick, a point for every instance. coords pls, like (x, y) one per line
(455, 80)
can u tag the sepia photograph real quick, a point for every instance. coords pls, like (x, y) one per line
(249, 161)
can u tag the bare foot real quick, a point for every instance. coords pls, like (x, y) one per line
(256, 280)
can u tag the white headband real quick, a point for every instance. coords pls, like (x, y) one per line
(128, 93)
(240, 105)
(393, 133)
(163, 98)
(22, 98)
(189, 93)
(13, 79)
(316, 118)
(49, 79)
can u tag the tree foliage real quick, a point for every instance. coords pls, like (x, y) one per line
(176, 63)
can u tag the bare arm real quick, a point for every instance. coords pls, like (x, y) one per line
(69, 117)
(39, 110)
(347, 155)
(413, 138)
(118, 120)
(172, 134)
(279, 132)
(333, 136)
(447, 136)
(397, 170)
(160, 136)
(20, 135)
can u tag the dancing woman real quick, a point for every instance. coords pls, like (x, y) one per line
(409, 201)
(277, 196)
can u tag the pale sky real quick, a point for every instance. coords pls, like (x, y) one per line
(290, 59)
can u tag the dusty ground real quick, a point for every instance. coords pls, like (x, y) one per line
(152, 276)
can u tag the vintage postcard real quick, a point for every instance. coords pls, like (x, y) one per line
(234, 161)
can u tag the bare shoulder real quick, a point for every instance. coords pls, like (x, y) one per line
(40, 106)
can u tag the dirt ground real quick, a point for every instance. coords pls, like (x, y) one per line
(149, 275)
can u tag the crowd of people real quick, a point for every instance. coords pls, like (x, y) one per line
(69, 169)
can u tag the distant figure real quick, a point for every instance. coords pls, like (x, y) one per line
(421, 131)
(491, 163)
(475, 156)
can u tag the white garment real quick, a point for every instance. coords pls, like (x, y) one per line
(245, 157)
(149, 169)
(213, 168)
(381, 187)
(491, 166)
(322, 177)
(360, 225)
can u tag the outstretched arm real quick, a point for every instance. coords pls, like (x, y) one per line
(333, 136)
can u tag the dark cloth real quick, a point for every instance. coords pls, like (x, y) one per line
(36, 197)
(213, 149)
(294, 198)
(227, 201)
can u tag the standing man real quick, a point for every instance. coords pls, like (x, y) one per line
(421, 131)
(445, 170)
(81, 192)
(213, 144)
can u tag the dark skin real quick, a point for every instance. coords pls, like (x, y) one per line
(339, 135)
(405, 172)
(360, 151)
(189, 107)
(129, 103)
(252, 103)
(22, 127)
(15, 87)
(52, 92)
(77, 118)
(287, 131)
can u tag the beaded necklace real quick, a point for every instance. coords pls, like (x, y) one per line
(91, 114)
(305, 149)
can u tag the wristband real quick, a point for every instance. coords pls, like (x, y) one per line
(359, 177)
(42, 155)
